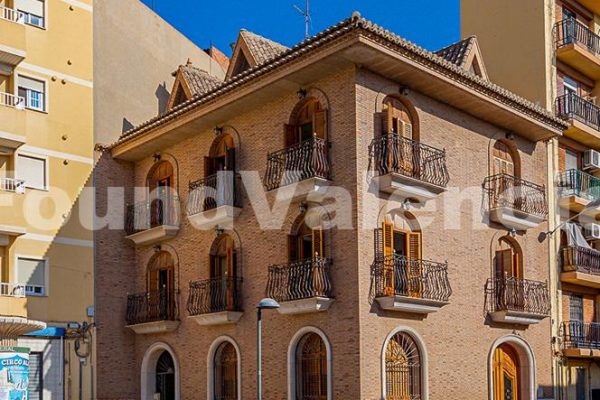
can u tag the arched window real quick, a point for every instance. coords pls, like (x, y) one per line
(224, 275)
(398, 119)
(161, 287)
(221, 156)
(165, 376)
(226, 372)
(311, 368)
(505, 159)
(306, 240)
(160, 182)
(403, 378)
(507, 385)
(309, 119)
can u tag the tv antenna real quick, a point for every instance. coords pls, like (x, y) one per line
(306, 14)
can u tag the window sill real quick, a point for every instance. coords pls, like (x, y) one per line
(36, 110)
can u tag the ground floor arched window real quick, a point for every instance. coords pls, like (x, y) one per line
(402, 368)
(226, 372)
(311, 368)
(165, 377)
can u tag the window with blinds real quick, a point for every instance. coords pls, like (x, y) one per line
(32, 273)
(34, 93)
(33, 12)
(36, 376)
(33, 171)
(576, 307)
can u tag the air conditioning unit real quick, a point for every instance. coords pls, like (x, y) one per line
(591, 160)
(591, 231)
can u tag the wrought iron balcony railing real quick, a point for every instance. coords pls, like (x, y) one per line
(580, 335)
(393, 153)
(160, 305)
(571, 106)
(422, 279)
(570, 31)
(220, 189)
(580, 259)
(215, 295)
(578, 183)
(309, 159)
(300, 280)
(163, 210)
(516, 193)
(516, 294)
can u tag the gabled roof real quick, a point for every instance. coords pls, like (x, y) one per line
(251, 50)
(353, 25)
(190, 82)
(466, 54)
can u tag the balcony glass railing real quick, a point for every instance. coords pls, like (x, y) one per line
(575, 182)
(393, 153)
(573, 107)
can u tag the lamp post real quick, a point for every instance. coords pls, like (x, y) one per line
(264, 304)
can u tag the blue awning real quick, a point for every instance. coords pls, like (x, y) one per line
(48, 332)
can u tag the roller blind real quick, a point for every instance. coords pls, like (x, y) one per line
(32, 271)
(32, 170)
(31, 84)
(35, 7)
(35, 375)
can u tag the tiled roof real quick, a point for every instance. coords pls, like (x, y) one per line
(262, 49)
(199, 80)
(457, 53)
(426, 58)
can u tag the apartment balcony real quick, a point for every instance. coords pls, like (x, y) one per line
(580, 339)
(578, 46)
(580, 266)
(152, 312)
(301, 171)
(302, 286)
(517, 301)
(12, 185)
(515, 202)
(583, 117)
(215, 301)
(8, 232)
(13, 116)
(577, 189)
(407, 168)
(13, 299)
(12, 26)
(412, 286)
(214, 200)
(152, 221)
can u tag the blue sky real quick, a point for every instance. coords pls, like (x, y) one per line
(430, 23)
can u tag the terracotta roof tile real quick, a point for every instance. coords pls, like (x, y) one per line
(457, 53)
(262, 49)
(199, 80)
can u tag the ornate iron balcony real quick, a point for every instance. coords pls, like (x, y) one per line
(578, 183)
(516, 193)
(570, 31)
(300, 280)
(580, 259)
(580, 335)
(220, 189)
(571, 106)
(153, 306)
(518, 295)
(215, 295)
(163, 210)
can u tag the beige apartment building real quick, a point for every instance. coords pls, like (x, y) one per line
(390, 199)
(554, 48)
(60, 64)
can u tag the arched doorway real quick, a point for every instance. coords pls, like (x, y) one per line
(165, 377)
(221, 156)
(224, 275)
(508, 275)
(161, 287)
(506, 373)
(226, 372)
(309, 119)
(398, 119)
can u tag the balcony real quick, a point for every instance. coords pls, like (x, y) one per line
(580, 266)
(12, 185)
(515, 202)
(583, 117)
(302, 286)
(215, 301)
(578, 46)
(581, 339)
(413, 286)
(150, 222)
(152, 312)
(214, 200)
(301, 171)
(407, 168)
(13, 120)
(577, 189)
(517, 301)
(12, 26)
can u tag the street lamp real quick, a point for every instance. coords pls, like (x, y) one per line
(593, 204)
(264, 304)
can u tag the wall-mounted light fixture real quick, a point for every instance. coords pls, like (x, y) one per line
(156, 248)
(404, 90)
(156, 157)
(510, 135)
(406, 205)
(219, 231)
(512, 232)
(218, 130)
(302, 93)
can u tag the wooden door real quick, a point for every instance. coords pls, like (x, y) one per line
(506, 374)
(503, 160)
(223, 274)
(402, 156)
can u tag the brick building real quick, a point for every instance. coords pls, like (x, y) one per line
(389, 198)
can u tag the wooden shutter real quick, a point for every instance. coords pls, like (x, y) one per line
(317, 242)
(229, 278)
(213, 266)
(230, 159)
(153, 281)
(388, 239)
(321, 124)
(414, 245)
(292, 248)
(407, 129)
(415, 268)
(208, 166)
(390, 118)
(504, 263)
(290, 133)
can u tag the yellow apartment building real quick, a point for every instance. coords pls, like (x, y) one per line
(60, 62)
(549, 52)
